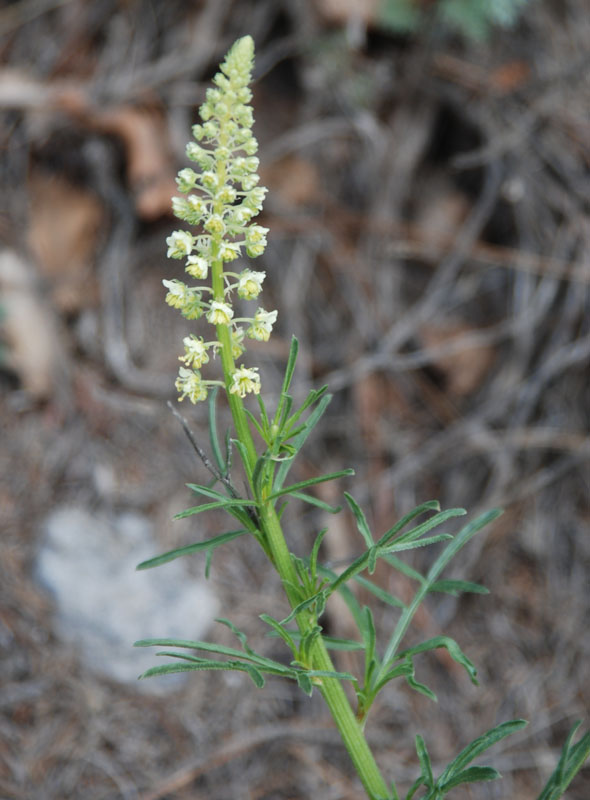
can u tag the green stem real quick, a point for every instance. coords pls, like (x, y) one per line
(348, 725)
(235, 401)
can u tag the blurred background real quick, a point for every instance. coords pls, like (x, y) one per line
(429, 208)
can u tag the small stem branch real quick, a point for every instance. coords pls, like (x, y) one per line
(202, 454)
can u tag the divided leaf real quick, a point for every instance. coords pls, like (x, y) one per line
(208, 544)
(453, 649)
(311, 482)
(477, 747)
(299, 440)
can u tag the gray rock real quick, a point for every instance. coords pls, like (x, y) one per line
(103, 604)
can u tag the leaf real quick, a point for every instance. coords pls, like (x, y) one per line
(421, 688)
(213, 436)
(361, 520)
(478, 746)
(313, 558)
(208, 563)
(570, 762)
(257, 677)
(240, 635)
(414, 788)
(321, 673)
(458, 587)
(208, 647)
(404, 568)
(258, 473)
(347, 595)
(281, 631)
(400, 671)
(461, 539)
(299, 440)
(331, 642)
(289, 370)
(197, 547)
(453, 547)
(241, 448)
(230, 666)
(424, 759)
(372, 559)
(227, 504)
(453, 649)
(312, 398)
(304, 682)
(248, 655)
(288, 405)
(314, 501)
(382, 594)
(369, 635)
(261, 430)
(263, 413)
(358, 565)
(431, 505)
(311, 482)
(207, 491)
(424, 527)
(308, 638)
(472, 775)
(399, 546)
(309, 601)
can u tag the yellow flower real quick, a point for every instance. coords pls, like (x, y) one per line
(261, 326)
(219, 313)
(214, 225)
(190, 384)
(250, 284)
(180, 244)
(245, 380)
(197, 267)
(195, 352)
(229, 251)
(178, 293)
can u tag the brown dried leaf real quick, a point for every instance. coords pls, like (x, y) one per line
(65, 222)
(150, 168)
(32, 342)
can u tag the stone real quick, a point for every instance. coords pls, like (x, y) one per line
(102, 604)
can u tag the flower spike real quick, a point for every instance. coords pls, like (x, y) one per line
(221, 195)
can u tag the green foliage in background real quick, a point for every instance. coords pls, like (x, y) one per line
(472, 18)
